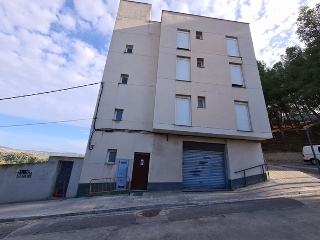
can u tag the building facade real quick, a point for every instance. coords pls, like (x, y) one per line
(180, 106)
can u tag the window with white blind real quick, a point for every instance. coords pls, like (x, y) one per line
(183, 69)
(243, 116)
(236, 74)
(232, 47)
(183, 110)
(183, 40)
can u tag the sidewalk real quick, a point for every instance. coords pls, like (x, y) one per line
(283, 182)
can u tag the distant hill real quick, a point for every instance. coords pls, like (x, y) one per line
(39, 154)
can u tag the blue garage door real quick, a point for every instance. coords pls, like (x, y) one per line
(203, 169)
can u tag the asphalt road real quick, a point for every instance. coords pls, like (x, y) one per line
(281, 218)
(303, 167)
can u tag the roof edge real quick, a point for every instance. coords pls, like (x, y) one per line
(202, 16)
(136, 2)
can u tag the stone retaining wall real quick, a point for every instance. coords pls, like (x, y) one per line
(283, 156)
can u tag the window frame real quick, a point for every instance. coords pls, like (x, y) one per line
(242, 85)
(203, 100)
(179, 96)
(248, 116)
(108, 156)
(122, 76)
(189, 66)
(115, 114)
(128, 46)
(201, 61)
(200, 34)
(230, 38)
(189, 43)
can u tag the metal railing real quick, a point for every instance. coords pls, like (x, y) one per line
(264, 168)
(109, 185)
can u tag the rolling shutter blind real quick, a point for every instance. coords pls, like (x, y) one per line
(232, 47)
(183, 69)
(183, 116)
(236, 74)
(242, 114)
(183, 40)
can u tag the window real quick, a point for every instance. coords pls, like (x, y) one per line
(232, 47)
(199, 35)
(183, 69)
(200, 62)
(236, 74)
(242, 114)
(201, 102)
(118, 114)
(111, 156)
(124, 78)
(183, 112)
(129, 49)
(183, 40)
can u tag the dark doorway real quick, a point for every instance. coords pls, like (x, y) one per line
(61, 186)
(140, 171)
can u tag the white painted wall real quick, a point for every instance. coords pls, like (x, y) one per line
(127, 144)
(40, 186)
(244, 154)
(148, 99)
(213, 81)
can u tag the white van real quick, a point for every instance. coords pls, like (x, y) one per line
(308, 155)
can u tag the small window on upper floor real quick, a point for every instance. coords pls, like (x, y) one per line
(183, 39)
(199, 35)
(124, 79)
(232, 47)
(118, 114)
(111, 156)
(200, 62)
(201, 102)
(129, 49)
(236, 75)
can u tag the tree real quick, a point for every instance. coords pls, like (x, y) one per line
(309, 24)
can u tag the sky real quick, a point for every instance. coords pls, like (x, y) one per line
(49, 45)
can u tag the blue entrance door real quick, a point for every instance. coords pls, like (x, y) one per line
(122, 174)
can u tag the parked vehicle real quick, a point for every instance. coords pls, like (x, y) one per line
(308, 155)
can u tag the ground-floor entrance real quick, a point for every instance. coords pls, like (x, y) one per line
(62, 182)
(140, 171)
(204, 166)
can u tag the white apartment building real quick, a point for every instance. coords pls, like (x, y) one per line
(181, 105)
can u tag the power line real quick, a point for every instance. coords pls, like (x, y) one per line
(43, 123)
(59, 90)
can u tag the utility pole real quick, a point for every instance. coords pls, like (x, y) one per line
(307, 128)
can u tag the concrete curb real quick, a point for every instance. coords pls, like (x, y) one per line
(157, 206)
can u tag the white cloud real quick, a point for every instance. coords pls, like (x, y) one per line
(68, 21)
(36, 15)
(99, 13)
(35, 58)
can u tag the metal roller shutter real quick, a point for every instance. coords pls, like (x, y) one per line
(203, 170)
